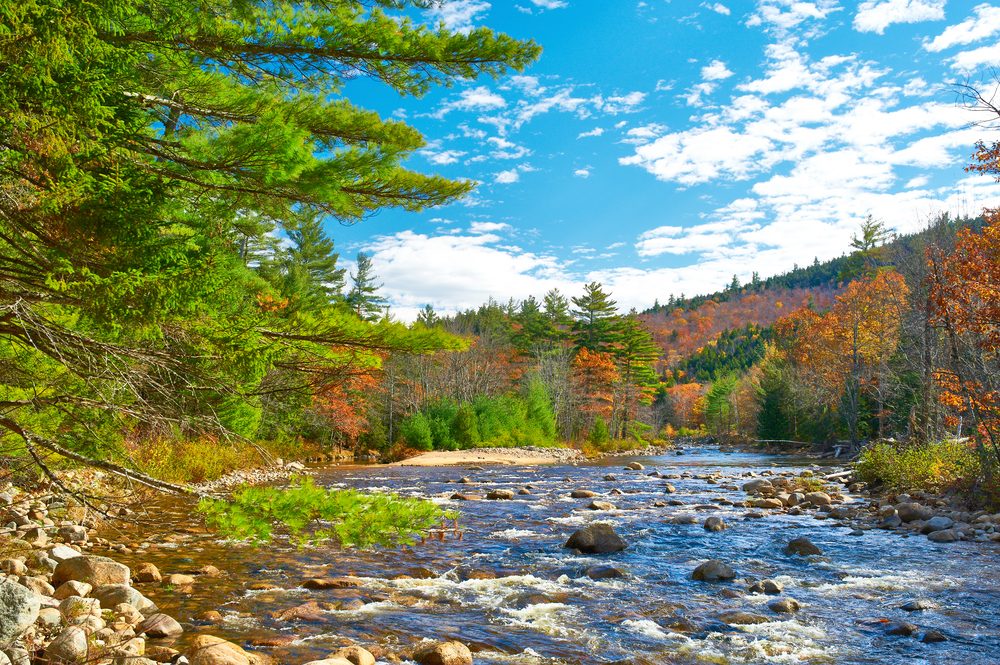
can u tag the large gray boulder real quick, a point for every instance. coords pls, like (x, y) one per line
(596, 539)
(113, 594)
(910, 512)
(713, 570)
(18, 610)
(69, 647)
(94, 570)
(444, 653)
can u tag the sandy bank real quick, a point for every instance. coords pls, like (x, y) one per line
(519, 456)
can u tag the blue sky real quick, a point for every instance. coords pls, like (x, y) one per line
(661, 147)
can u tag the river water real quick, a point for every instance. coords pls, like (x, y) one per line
(510, 590)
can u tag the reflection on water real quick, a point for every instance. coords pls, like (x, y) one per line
(510, 591)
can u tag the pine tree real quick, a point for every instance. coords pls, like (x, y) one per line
(595, 328)
(363, 297)
(427, 316)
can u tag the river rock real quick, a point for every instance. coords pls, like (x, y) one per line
(500, 495)
(713, 570)
(602, 505)
(329, 661)
(755, 486)
(917, 605)
(160, 625)
(902, 628)
(444, 653)
(355, 654)
(72, 588)
(891, 522)
(211, 650)
(635, 466)
(94, 570)
(60, 553)
(944, 536)
(332, 583)
(669, 489)
(603, 572)
(160, 653)
(932, 636)
(741, 618)
(73, 533)
(582, 494)
(910, 511)
(818, 498)
(715, 523)
(148, 573)
(70, 646)
(683, 519)
(18, 609)
(784, 606)
(112, 594)
(596, 539)
(769, 587)
(938, 523)
(803, 547)
(459, 496)
(179, 579)
(13, 567)
(770, 504)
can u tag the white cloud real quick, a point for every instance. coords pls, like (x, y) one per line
(783, 16)
(443, 157)
(877, 15)
(582, 173)
(550, 4)
(969, 61)
(506, 149)
(480, 98)
(717, 7)
(620, 103)
(507, 177)
(715, 71)
(487, 227)
(458, 14)
(985, 23)
(596, 131)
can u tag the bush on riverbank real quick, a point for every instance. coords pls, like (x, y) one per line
(506, 421)
(205, 459)
(931, 467)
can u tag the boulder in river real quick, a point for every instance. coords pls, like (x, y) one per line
(160, 625)
(355, 654)
(582, 494)
(94, 570)
(937, 523)
(635, 466)
(944, 536)
(500, 495)
(211, 650)
(756, 486)
(911, 511)
(803, 547)
(444, 653)
(917, 605)
(18, 610)
(715, 523)
(596, 539)
(713, 570)
(741, 618)
(818, 498)
(784, 606)
(602, 505)
(148, 573)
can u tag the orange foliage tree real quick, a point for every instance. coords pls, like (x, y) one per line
(965, 296)
(594, 377)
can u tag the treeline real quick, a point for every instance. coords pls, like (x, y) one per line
(908, 351)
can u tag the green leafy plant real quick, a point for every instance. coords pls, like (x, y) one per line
(311, 514)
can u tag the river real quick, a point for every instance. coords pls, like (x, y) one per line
(510, 590)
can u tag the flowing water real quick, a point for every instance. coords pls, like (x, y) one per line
(510, 590)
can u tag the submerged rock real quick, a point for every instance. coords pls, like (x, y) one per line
(784, 605)
(596, 539)
(917, 605)
(715, 523)
(713, 570)
(803, 547)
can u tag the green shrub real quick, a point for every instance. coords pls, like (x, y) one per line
(312, 514)
(599, 434)
(929, 467)
(416, 431)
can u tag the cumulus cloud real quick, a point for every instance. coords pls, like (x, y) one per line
(459, 15)
(984, 23)
(877, 15)
(582, 173)
(507, 177)
(717, 7)
(480, 98)
(596, 131)
(715, 71)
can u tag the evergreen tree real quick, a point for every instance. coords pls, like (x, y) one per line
(308, 268)
(427, 316)
(363, 298)
(596, 318)
(465, 428)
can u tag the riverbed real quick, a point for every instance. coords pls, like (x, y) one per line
(508, 588)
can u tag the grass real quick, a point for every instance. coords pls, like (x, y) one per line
(929, 467)
(205, 459)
